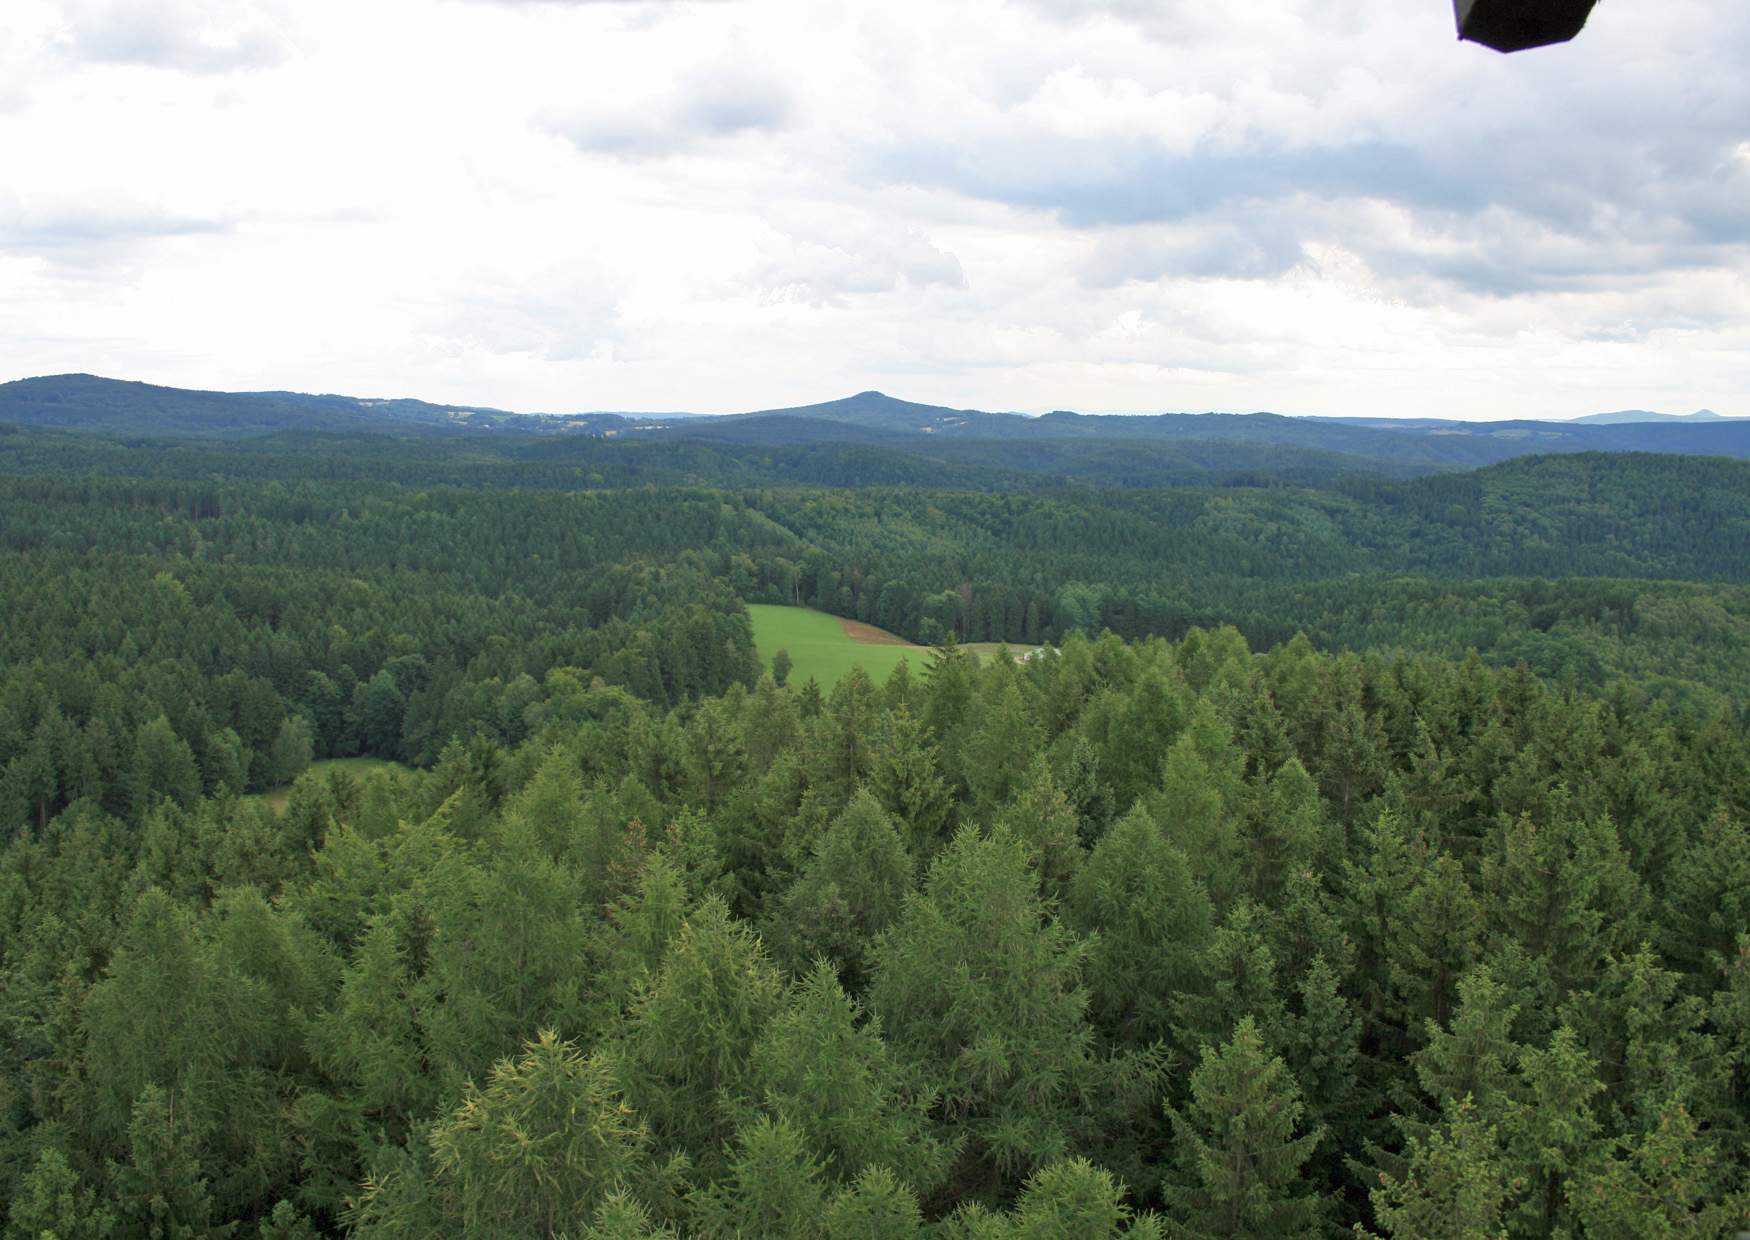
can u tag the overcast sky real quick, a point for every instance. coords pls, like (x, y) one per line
(1308, 206)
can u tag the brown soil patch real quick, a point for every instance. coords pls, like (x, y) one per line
(868, 634)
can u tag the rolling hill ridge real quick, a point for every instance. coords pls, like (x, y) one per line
(873, 434)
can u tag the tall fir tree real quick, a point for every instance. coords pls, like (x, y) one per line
(1239, 1149)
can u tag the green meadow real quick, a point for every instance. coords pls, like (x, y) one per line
(820, 647)
(826, 648)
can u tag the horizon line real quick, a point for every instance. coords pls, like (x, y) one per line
(1703, 414)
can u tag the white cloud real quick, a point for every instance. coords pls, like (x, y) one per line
(1322, 206)
(197, 36)
(561, 314)
(721, 99)
(827, 263)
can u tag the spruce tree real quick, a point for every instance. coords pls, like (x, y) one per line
(1439, 939)
(1550, 1130)
(1456, 1186)
(1475, 1057)
(1665, 1180)
(1239, 1148)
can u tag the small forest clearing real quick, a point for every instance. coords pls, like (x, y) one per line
(827, 647)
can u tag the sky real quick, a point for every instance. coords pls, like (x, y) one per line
(1305, 206)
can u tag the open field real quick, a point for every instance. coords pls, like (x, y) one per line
(358, 768)
(826, 647)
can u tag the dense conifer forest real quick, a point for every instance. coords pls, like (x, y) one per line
(1360, 858)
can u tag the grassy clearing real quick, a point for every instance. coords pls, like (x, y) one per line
(820, 647)
(358, 768)
(827, 648)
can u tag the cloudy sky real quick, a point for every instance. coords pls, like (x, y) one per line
(1309, 206)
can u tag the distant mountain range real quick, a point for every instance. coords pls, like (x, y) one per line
(1622, 417)
(1641, 415)
(892, 436)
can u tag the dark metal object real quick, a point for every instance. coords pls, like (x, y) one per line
(1514, 25)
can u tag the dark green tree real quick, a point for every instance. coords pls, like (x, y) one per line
(163, 767)
(162, 1188)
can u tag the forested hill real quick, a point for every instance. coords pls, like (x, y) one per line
(1573, 564)
(90, 404)
(1366, 858)
(821, 455)
(1593, 514)
(1628, 515)
(845, 441)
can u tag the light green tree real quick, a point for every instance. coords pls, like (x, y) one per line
(1456, 1186)
(850, 890)
(772, 1187)
(878, 1206)
(686, 1049)
(52, 1203)
(1040, 816)
(1239, 1148)
(830, 1074)
(542, 1145)
(1151, 921)
(981, 990)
